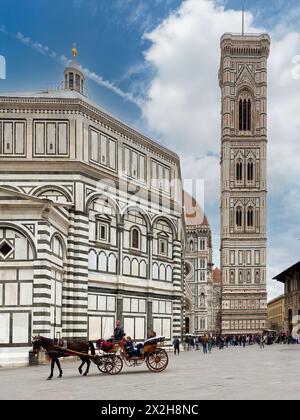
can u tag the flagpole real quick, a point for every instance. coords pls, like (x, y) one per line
(243, 20)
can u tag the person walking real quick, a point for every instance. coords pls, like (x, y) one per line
(176, 344)
(204, 343)
(210, 344)
(261, 342)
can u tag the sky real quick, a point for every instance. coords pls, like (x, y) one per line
(154, 64)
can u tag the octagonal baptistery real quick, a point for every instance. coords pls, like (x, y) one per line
(91, 223)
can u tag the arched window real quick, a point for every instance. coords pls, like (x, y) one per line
(245, 115)
(135, 238)
(191, 245)
(238, 217)
(250, 171)
(250, 217)
(239, 171)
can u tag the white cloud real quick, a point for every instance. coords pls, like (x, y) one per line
(183, 108)
(45, 50)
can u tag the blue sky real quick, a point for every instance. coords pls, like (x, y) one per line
(164, 54)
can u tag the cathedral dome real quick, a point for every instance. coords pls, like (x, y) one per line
(194, 214)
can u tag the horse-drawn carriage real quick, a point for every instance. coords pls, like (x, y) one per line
(111, 357)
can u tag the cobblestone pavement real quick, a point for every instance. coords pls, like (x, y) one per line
(234, 373)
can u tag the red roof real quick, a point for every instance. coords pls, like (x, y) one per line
(216, 275)
(194, 215)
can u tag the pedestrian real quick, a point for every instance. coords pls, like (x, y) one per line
(176, 344)
(209, 344)
(204, 343)
(261, 342)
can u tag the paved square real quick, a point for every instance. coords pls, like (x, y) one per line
(234, 373)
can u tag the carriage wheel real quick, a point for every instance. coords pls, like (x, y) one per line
(114, 365)
(157, 361)
(102, 364)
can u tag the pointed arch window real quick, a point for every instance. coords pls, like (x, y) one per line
(250, 171)
(245, 114)
(238, 217)
(250, 217)
(239, 171)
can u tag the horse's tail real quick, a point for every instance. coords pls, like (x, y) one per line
(92, 348)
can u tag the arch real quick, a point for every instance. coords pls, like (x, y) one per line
(168, 221)
(59, 237)
(169, 272)
(250, 170)
(143, 268)
(37, 192)
(126, 266)
(112, 263)
(245, 100)
(143, 213)
(239, 170)
(5, 225)
(102, 261)
(250, 217)
(135, 238)
(109, 200)
(135, 267)
(93, 257)
(155, 271)
(162, 272)
(239, 217)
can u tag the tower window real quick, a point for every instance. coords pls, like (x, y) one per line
(250, 171)
(245, 115)
(239, 171)
(250, 217)
(238, 217)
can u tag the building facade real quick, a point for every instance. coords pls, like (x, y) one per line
(243, 83)
(217, 300)
(199, 310)
(291, 279)
(91, 223)
(276, 314)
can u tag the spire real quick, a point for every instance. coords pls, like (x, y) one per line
(74, 52)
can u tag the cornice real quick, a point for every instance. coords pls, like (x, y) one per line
(80, 107)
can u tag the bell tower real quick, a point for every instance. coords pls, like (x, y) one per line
(243, 83)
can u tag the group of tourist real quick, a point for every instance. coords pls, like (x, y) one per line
(207, 342)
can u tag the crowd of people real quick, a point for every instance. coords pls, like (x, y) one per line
(207, 342)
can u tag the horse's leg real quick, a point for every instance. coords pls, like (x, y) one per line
(80, 367)
(88, 362)
(52, 368)
(59, 367)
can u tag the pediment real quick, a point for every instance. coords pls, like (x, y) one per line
(245, 77)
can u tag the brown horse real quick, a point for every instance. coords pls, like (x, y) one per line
(50, 346)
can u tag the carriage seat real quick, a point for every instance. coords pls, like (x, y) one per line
(105, 345)
(155, 340)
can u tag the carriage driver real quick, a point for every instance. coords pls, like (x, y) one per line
(118, 331)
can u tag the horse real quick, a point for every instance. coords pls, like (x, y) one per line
(49, 345)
